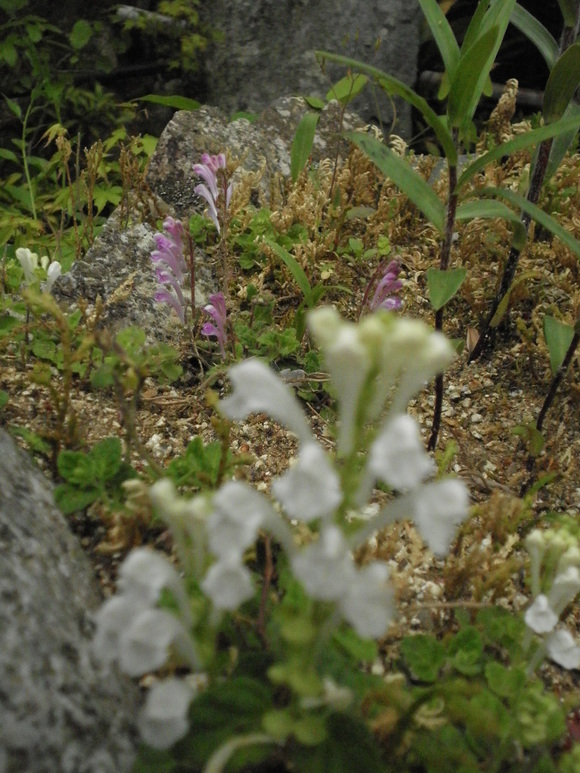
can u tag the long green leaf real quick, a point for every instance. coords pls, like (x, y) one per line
(174, 101)
(398, 88)
(562, 84)
(404, 177)
(472, 71)
(478, 24)
(562, 142)
(536, 33)
(558, 337)
(442, 34)
(302, 143)
(298, 273)
(537, 214)
(568, 8)
(489, 210)
(533, 137)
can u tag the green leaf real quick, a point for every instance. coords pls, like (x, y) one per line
(32, 440)
(466, 650)
(470, 77)
(14, 107)
(505, 682)
(174, 101)
(75, 467)
(293, 266)
(404, 177)
(349, 746)
(398, 88)
(558, 337)
(424, 656)
(472, 210)
(442, 34)
(561, 144)
(535, 31)
(315, 102)
(302, 143)
(443, 285)
(8, 53)
(559, 128)
(569, 10)
(360, 650)
(106, 457)
(537, 214)
(80, 34)
(70, 499)
(3, 398)
(347, 88)
(562, 84)
(151, 760)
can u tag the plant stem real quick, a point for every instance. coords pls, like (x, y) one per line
(558, 377)
(443, 265)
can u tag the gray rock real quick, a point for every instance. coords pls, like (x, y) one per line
(59, 711)
(268, 49)
(119, 256)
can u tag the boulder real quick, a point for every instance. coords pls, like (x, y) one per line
(60, 712)
(267, 49)
(117, 268)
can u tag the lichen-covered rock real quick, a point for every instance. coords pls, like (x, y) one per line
(59, 711)
(267, 48)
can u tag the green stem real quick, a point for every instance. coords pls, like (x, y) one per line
(25, 157)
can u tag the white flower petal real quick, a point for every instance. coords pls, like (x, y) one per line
(565, 587)
(311, 488)
(163, 719)
(540, 616)
(144, 645)
(563, 649)
(111, 621)
(438, 508)
(228, 584)
(325, 568)
(368, 604)
(397, 455)
(52, 274)
(257, 389)
(29, 262)
(145, 573)
(238, 513)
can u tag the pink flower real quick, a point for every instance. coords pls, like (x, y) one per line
(170, 266)
(216, 308)
(384, 297)
(214, 183)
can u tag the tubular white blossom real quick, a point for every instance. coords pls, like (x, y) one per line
(257, 389)
(144, 645)
(535, 544)
(311, 487)
(565, 587)
(563, 649)
(115, 615)
(368, 604)
(163, 719)
(540, 616)
(438, 509)
(238, 513)
(325, 568)
(228, 584)
(145, 573)
(397, 455)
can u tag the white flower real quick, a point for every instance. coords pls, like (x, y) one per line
(565, 587)
(540, 616)
(349, 363)
(325, 568)
(163, 719)
(145, 573)
(535, 544)
(257, 389)
(562, 649)
(397, 455)
(311, 488)
(144, 645)
(111, 620)
(238, 513)
(228, 584)
(52, 274)
(438, 508)
(368, 603)
(29, 262)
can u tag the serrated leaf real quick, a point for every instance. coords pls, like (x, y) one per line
(75, 467)
(302, 143)
(70, 499)
(505, 682)
(562, 84)
(424, 656)
(106, 458)
(347, 88)
(558, 337)
(404, 177)
(443, 285)
(465, 650)
(174, 100)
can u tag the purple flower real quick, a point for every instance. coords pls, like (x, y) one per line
(216, 309)
(384, 297)
(170, 266)
(214, 182)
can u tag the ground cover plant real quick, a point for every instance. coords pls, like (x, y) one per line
(350, 608)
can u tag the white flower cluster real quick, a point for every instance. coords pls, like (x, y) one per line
(560, 549)
(382, 358)
(30, 262)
